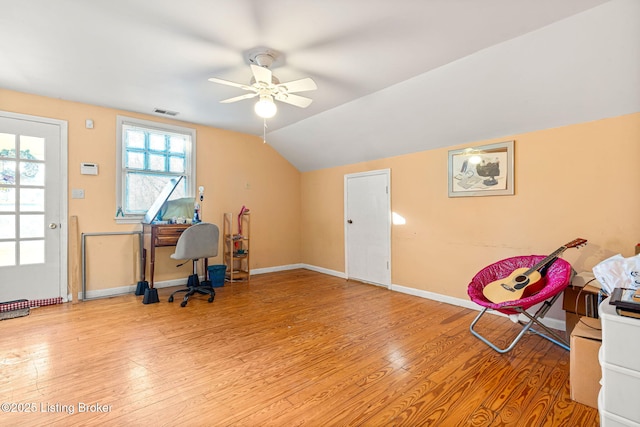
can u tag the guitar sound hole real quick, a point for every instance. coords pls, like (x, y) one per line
(521, 282)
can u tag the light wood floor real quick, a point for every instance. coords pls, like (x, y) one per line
(290, 348)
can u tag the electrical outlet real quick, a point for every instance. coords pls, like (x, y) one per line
(77, 193)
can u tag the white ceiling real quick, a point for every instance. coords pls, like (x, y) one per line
(393, 76)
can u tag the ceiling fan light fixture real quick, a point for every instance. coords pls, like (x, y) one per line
(266, 86)
(265, 107)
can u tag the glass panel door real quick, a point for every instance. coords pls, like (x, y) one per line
(22, 170)
(29, 209)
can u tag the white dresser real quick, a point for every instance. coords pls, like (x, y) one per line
(619, 398)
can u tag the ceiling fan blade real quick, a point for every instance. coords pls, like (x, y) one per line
(239, 98)
(261, 74)
(228, 83)
(298, 101)
(301, 85)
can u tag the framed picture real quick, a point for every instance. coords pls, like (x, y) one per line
(481, 171)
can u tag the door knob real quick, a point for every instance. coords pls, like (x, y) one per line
(349, 221)
(53, 225)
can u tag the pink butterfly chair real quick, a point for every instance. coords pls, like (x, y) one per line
(557, 277)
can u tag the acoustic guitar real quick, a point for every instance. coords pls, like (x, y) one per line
(524, 282)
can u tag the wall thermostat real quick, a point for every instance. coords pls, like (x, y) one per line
(88, 168)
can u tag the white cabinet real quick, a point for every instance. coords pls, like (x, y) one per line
(619, 399)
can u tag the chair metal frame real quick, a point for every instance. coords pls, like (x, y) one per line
(559, 277)
(527, 327)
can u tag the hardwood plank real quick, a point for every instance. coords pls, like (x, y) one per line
(289, 348)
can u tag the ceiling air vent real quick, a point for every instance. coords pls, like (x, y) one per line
(165, 112)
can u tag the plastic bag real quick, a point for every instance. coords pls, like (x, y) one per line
(618, 272)
(632, 270)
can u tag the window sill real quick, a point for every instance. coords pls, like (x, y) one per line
(129, 219)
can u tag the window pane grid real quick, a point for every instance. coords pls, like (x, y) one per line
(176, 164)
(166, 156)
(150, 157)
(135, 139)
(157, 142)
(135, 160)
(177, 144)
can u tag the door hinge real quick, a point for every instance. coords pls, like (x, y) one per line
(387, 189)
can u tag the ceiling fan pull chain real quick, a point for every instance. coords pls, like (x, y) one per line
(264, 132)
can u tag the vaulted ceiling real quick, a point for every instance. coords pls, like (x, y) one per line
(393, 76)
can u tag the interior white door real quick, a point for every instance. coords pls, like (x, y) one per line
(368, 227)
(31, 208)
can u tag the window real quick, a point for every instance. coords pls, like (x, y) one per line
(149, 154)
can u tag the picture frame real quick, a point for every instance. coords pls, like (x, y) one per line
(486, 170)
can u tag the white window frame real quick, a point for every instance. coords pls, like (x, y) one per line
(190, 168)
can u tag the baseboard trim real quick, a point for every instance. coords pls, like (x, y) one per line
(325, 271)
(547, 321)
(111, 292)
(276, 269)
(123, 290)
(436, 297)
(297, 266)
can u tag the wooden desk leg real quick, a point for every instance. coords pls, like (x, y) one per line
(152, 264)
(151, 294)
(143, 260)
(142, 285)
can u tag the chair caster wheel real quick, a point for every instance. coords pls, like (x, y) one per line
(183, 304)
(210, 299)
(171, 298)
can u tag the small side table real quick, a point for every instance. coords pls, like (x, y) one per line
(580, 299)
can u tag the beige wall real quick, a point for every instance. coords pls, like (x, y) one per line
(236, 169)
(574, 181)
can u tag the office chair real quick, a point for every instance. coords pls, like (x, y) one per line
(557, 278)
(196, 242)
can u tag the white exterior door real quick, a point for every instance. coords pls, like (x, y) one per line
(368, 227)
(32, 207)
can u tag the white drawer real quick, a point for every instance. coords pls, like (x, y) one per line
(621, 338)
(612, 420)
(621, 392)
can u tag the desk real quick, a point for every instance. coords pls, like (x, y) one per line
(155, 236)
(579, 301)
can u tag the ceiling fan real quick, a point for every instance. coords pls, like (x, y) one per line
(267, 87)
